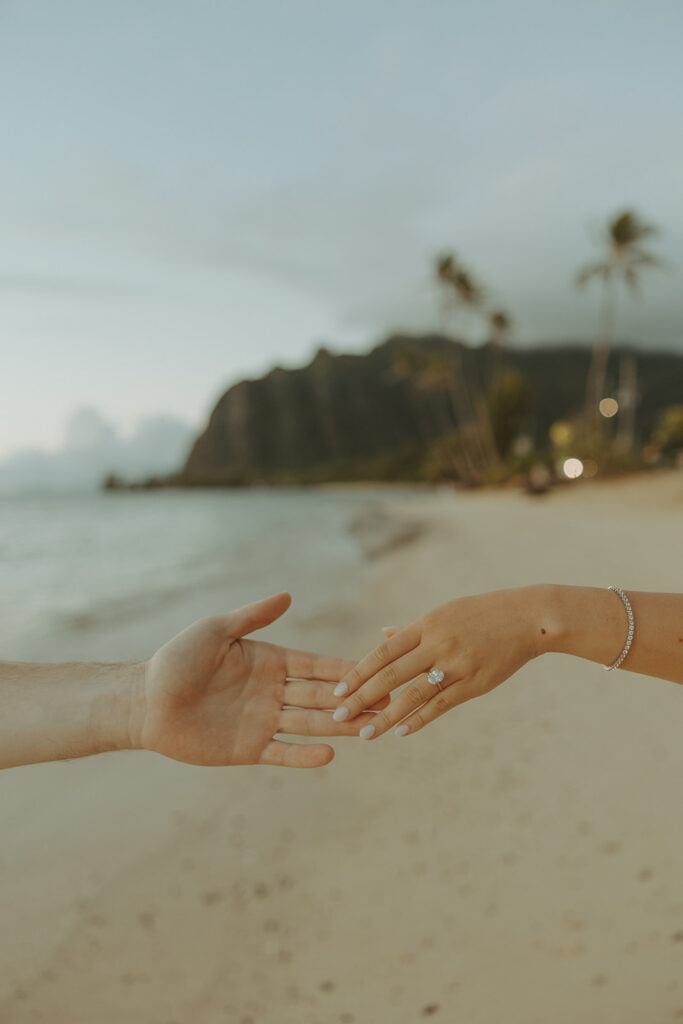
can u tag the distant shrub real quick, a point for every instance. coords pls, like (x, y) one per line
(668, 434)
(508, 403)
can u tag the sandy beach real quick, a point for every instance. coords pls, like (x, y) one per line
(517, 861)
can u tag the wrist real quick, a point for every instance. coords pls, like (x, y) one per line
(117, 707)
(545, 620)
(587, 622)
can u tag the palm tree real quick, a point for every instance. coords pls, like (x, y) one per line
(435, 374)
(469, 292)
(443, 374)
(622, 260)
(463, 293)
(415, 366)
(500, 326)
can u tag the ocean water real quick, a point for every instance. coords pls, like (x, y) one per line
(80, 562)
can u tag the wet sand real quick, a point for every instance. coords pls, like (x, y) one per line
(518, 861)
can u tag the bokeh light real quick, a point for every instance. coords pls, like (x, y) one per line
(522, 445)
(572, 468)
(561, 433)
(609, 407)
(540, 478)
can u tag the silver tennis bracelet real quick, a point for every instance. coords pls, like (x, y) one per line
(631, 629)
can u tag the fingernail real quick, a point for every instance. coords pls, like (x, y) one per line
(340, 689)
(401, 730)
(341, 714)
(367, 732)
(388, 627)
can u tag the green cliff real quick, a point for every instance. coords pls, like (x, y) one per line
(374, 416)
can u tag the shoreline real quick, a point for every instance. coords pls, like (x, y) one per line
(513, 482)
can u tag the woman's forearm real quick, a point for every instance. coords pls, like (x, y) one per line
(592, 623)
(52, 712)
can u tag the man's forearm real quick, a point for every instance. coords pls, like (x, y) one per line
(592, 623)
(52, 712)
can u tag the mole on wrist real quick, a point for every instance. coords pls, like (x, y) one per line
(545, 618)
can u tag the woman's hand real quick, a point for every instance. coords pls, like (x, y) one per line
(476, 642)
(210, 697)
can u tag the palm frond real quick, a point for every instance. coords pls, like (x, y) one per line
(642, 258)
(626, 229)
(500, 321)
(469, 291)
(445, 267)
(591, 270)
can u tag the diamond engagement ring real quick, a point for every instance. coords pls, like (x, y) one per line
(436, 677)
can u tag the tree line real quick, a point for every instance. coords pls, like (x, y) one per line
(486, 415)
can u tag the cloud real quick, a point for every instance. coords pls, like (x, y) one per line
(94, 447)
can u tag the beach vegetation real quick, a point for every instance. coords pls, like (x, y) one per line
(622, 259)
(668, 434)
(508, 403)
(392, 415)
(464, 299)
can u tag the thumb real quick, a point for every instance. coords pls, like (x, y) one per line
(257, 615)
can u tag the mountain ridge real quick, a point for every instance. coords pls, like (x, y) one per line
(356, 416)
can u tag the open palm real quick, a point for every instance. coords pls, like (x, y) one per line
(210, 697)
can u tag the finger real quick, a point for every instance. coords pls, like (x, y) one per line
(297, 755)
(449, 698)
(309, 665)
(255, 616)
(419, 694)
(311, 694)
(405, 641)
(304, 722)
(396, 673)
(412, 697)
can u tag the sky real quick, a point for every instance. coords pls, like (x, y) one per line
(192, 191)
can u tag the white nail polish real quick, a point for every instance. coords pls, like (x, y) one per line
(401, 730)
(367, 732)
(341, 714)
(340, 689)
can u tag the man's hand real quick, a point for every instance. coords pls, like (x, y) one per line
(210, 697)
